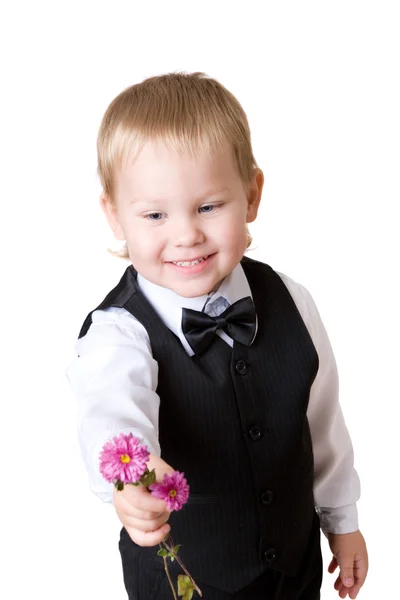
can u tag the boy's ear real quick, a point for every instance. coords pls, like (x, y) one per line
(111, 214)
(254, 192)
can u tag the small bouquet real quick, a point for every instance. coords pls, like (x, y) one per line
(123, 460)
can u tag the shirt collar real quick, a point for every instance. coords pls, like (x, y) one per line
(168, 304)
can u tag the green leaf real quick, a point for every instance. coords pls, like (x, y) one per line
(148, 478)
(163, 552)
(119, 485)
(185, 587)
(176, 549)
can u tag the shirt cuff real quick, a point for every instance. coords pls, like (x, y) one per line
(341, 519)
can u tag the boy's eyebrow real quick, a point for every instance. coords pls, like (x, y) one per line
(211, 194)
(202, 197)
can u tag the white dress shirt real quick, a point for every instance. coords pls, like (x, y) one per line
(114, 379)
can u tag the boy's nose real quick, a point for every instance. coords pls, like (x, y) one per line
(187, 233)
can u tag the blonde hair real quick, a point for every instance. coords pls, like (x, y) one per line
(186, 111)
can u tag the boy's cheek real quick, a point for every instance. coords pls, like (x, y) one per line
(233, 236)
(143, 241)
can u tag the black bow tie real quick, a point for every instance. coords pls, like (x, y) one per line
(238, 321)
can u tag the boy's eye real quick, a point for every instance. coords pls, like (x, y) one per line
(156, 216)
(207, 208)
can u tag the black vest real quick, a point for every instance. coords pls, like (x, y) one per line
(234, 420)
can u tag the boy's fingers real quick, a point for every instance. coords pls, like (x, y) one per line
(148, 526)
(354, 591)
(141, 499)
(135, 513)
(346, 564)
(344, 591)
(150, 504)
(341, 589)
(142, 506)
(332, 565)
(350, 592)
(144, 515)
(149, 538)
(360, 573)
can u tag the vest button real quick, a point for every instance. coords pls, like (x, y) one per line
(267, 497)
(270, 555)
(241, 367)
(255, 432)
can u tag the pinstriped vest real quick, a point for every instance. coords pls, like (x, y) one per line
(234, 420)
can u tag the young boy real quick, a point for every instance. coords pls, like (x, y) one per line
(218, 363)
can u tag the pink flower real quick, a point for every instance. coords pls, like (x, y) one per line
(173, 489)
(123, 459)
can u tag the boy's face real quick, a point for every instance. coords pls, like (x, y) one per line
(183, 218)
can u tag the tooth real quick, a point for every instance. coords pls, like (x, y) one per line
(188, 263)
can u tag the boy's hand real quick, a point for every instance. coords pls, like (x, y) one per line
(350, 555)
(144, 516)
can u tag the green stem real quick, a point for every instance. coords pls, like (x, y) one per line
(180, 563)
(169, 576)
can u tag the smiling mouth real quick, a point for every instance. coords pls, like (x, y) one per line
(190, 263)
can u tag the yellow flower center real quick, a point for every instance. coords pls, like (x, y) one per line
(125, 458)
(172, 493)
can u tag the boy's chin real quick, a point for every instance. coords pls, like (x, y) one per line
(190, 293)
(195, 290)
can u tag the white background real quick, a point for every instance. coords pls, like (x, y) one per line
(320, 84)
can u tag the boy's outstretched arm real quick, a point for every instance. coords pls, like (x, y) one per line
(114, 380)
(350, 555)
